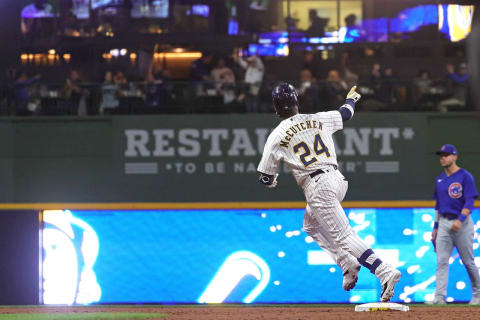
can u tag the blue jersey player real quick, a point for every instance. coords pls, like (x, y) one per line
(455, 192)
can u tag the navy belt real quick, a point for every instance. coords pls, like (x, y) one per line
(320, 171)
(450, 216)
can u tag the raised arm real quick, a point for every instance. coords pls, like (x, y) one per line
(348, 109)
(242, 63)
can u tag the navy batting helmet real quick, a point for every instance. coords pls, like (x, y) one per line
(284, 97)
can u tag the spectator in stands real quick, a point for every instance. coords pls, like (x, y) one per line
(291, 23)
(200, 73)
(375, 76)
(372, 101)
(254, 70)
(422, 86)
(158, 87)
(318, 24)
(347, 74)
(110, 92)
(312, 64)
(125, 87)
(24, 104)
(457, 86)
(334, 89)
(268, 84)
(351, 32)
(120, 79)
(387, 87)
(73, 92)
(224, 81)
(308, 92)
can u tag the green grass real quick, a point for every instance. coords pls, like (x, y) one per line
(148, 315)
(83, 316)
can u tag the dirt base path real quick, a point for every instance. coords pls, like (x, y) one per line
(448, 312)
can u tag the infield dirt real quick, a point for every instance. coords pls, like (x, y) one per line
(450, 312)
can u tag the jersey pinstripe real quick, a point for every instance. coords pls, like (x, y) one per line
(304, 143)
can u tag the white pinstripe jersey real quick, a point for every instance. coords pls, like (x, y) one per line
(303, 142)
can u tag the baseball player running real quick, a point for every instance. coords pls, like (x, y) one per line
(455, 192)
(304, 143)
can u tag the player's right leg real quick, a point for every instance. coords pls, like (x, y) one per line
(444, 247)
(463, 240)
(349, 265)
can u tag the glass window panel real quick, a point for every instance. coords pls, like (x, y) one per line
(299, 10)
(348, 8)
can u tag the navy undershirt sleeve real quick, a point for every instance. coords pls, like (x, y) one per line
(345, 112)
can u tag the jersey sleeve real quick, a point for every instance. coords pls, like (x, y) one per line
(271, 157)
(331, 120)
(435, 197)
(470, 190)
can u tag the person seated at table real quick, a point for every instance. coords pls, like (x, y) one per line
(313, 63)
(109, 92)
(334, 89)
(390, 91)
(158, 91)
(23, 98)
(73, 92)
(422, 86)
(200, 73)
(308, 92)
(120, 79)
(457, 86)
(224, 80)
(382, 85)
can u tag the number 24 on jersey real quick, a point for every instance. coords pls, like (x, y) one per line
(318, 147)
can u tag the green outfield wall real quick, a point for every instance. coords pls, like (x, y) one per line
(210, 158)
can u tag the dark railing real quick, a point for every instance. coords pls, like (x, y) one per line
(167, 96)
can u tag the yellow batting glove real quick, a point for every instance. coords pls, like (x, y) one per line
(354, 95)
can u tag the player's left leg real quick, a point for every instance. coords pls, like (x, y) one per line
(463, 240)
(322, 197)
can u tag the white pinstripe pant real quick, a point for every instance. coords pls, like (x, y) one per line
(325, 220)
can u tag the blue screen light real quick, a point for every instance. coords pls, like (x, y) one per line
(248, 255)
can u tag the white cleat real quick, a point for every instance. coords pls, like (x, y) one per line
(475, 300)
(389, 285)
(350, 277)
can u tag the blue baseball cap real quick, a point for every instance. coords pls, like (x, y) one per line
(447, 148)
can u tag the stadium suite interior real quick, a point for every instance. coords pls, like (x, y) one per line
(405, 40)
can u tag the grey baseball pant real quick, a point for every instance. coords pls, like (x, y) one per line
(463, 241)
